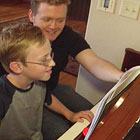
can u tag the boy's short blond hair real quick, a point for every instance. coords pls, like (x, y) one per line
(35, 3)
(15, 40)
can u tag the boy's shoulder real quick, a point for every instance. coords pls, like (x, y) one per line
(4, 95)
(6, 91)
(5, 88)
(3, 83)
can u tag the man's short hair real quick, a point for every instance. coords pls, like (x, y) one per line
(35, 3)
(16, 39)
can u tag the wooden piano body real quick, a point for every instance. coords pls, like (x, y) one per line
(118, 119)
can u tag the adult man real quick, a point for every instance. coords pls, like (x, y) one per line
(50, 16)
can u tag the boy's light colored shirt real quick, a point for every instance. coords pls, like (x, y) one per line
(23, 117)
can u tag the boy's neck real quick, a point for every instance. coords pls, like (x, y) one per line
(19, 81)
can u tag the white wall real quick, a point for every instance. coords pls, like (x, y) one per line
(108, 35)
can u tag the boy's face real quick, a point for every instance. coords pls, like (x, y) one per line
(50, 18)
(37, 56)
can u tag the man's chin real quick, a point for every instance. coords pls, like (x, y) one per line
(52, 37)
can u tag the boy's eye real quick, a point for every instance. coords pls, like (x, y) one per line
(44, 60)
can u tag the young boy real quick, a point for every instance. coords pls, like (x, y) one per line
(25, 54)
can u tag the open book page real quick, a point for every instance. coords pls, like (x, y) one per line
(125, 80)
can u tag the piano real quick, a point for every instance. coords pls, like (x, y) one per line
(117, 121)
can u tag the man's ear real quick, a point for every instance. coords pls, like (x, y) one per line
(30, 15)
(16, 67)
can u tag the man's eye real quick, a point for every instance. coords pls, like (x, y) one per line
(60, 20)
(46, 20)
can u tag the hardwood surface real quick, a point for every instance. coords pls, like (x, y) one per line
(13, 10)
(120, 116)
(69, 79)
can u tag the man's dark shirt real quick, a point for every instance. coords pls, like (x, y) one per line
(67, 43)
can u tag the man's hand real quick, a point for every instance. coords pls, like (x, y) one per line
(78, 117)
(58, 107)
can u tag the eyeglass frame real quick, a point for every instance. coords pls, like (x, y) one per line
(45, 63)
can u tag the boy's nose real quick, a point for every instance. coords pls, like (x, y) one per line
(52, 63)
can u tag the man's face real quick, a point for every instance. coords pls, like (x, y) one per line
(50, 18)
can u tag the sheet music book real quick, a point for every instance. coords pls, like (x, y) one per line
(125, 80)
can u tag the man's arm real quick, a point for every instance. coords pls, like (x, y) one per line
(58, 107)
(98, 67)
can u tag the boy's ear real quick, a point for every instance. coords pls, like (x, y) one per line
(16, 67)
(30, 15)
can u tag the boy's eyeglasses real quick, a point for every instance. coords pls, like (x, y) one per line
(45, 63)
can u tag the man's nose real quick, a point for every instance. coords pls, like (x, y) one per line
(53, 24)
